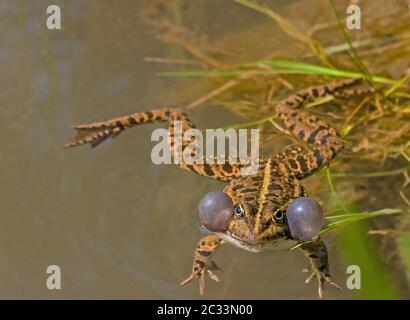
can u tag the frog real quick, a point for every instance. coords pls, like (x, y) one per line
(260, 200)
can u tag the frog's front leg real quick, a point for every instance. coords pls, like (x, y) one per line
(316, 252)
(203, 263)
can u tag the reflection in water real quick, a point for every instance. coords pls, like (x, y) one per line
(117, 225)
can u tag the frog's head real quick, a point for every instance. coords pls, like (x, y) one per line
(243, 218)
(261, 218)
(254, 221)
(250, 217)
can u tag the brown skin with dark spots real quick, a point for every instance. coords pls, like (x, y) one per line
(203, 263)
(261, 196)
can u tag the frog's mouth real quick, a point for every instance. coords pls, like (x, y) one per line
(241, 243)
(248, 245)
(235, 240)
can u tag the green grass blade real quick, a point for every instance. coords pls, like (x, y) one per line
(351, 217)
(403, 242)
(281, 67)
(376, 174)
(397, 85)
(359, 249)
(314, 69)
(221, 73)
(353, 54)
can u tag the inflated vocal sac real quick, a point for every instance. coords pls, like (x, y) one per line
(215, 210)
(305, 218)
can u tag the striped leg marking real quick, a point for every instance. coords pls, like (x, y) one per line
(323, 141)
(96, 133)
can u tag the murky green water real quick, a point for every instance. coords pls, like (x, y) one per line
(117, 225)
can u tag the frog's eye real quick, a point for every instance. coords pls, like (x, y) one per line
(239, 209)
(278, 215)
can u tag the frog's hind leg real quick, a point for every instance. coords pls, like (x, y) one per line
(322, 141)
(178, 122)
(97, 132)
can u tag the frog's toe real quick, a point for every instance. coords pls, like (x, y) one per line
(191, 277)
(200, 273)
(328, 280)
(322, 279)
(311, 276)
(212, 275)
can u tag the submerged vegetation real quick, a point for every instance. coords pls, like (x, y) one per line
(371, 178)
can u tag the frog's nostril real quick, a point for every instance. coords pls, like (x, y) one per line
(215, 210)
(305, 218)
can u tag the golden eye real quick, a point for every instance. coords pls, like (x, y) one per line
(239, 209)
(278, 215)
